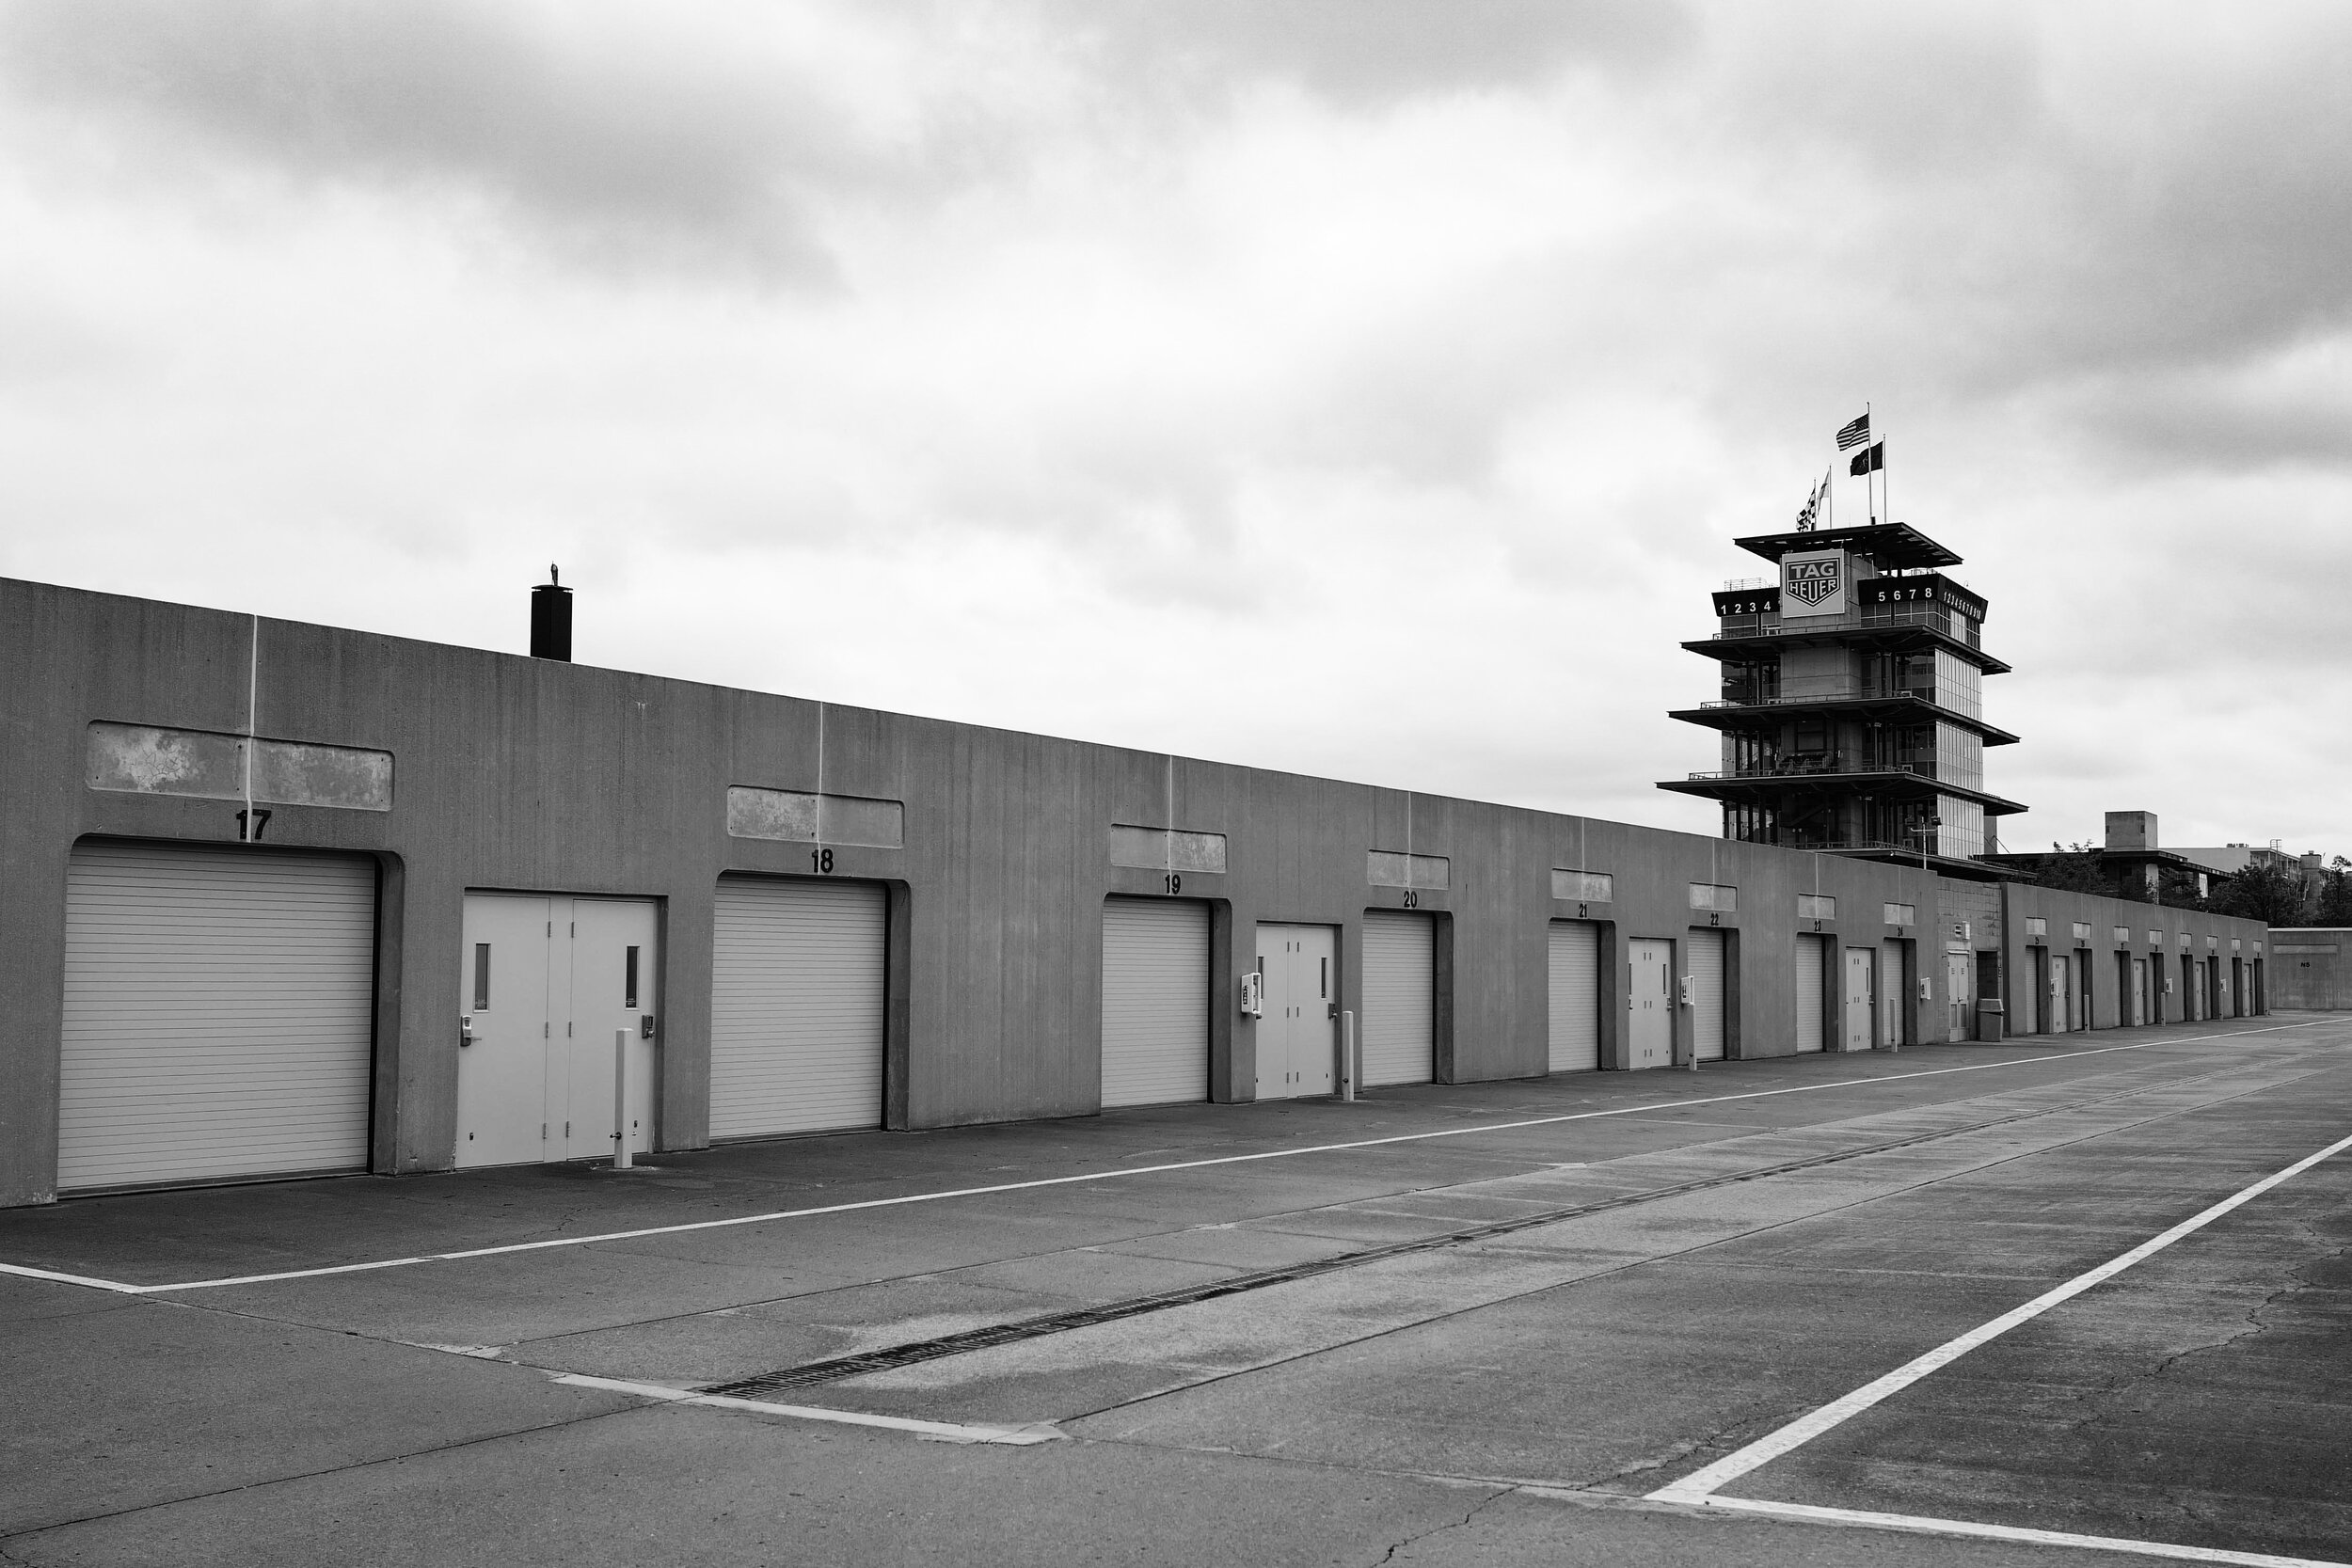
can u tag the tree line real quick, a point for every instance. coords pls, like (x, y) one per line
(2266, 891)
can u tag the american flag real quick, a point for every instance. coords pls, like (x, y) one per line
(1853, 433)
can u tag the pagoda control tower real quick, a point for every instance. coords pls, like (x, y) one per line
(1851, 711)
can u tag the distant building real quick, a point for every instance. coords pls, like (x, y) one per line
(1850, 707)
(2133, 863)
(1853, 722)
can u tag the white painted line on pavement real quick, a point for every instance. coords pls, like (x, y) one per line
(115, 1285)
(1926, 1525)
(938, 1432)
(1697, 1486)
(511, 1248)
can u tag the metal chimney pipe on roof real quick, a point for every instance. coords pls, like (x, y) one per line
(552, 619)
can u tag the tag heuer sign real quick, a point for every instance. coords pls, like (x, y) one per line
(1813, 583)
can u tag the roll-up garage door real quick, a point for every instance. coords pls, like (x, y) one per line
(1400, 999)
(1155, 1001)
(1707, 994)
(218, 1010)
(1812, 954)
(796, 1008)
(1575, 996)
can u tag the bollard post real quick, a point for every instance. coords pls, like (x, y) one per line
(1347, 1056)
(620, 1097)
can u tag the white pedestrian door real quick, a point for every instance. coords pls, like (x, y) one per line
(1704, 951)
(2139, 990)
(1959, 988)
(545, 986)
(218, 1014)
(1812, 957)
(1649, 1004)
(1298, 1035)
(1861, 1002)
(1397, 1038)
(797, 999)
(1890, 994)
(1155, 1001)
(2061, 992)
(1575, 965)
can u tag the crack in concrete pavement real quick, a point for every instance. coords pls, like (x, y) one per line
(1483, 1503)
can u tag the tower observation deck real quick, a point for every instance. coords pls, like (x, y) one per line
(1851, 708)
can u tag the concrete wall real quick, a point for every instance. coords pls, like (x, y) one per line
(2311, 969)
(519, 774)
(2209, 936)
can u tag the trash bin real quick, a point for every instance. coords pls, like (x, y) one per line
(1990, 1020)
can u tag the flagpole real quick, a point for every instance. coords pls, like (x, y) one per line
(1870, 434)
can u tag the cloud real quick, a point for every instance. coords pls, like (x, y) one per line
(1085, 367)
(1369, 54)
(620, 155)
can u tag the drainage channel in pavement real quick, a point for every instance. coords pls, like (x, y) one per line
(891, 1357)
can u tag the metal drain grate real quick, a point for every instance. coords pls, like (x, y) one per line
(1135, 1307)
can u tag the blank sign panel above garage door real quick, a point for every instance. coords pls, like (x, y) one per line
(217, 1014)
(796, 1008)
(1155, 1001)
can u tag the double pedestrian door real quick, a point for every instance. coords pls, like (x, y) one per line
(545, 984)
(1298, 1032)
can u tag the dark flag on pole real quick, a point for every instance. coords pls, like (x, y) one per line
(1853, 434)
(1868, 461)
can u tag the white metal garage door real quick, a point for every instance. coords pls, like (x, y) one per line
(1811, 957)
(1155, 1001)
(1575, 996)
(1400, 999)
(796, 1008)
(1707, 994)
(217, 1014)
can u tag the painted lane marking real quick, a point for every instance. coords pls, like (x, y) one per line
(22, 1273)
(1923, 1525)
(1699, 1486)
(507, 1248)
(938, 1432)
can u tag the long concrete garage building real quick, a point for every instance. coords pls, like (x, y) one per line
(284, 898)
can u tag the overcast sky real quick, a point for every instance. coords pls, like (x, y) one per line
(1363, 388)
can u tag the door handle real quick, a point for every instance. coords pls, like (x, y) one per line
(465, 1030)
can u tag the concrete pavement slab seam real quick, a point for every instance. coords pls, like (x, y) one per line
(1667, 1258)
(1699, 1486)
(512, 1248)
(994, 1335)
